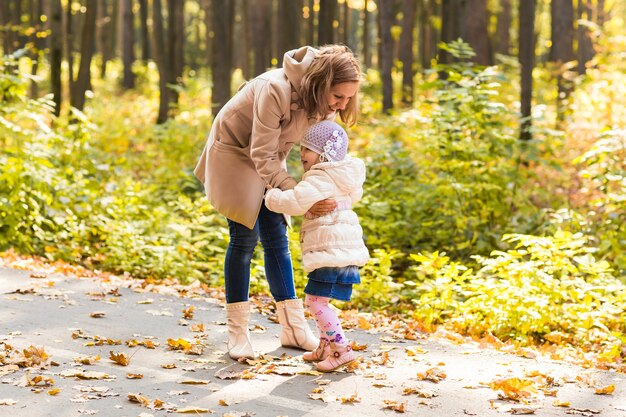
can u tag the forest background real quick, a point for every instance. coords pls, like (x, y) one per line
(493, 133)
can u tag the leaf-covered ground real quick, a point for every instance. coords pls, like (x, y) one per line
(73, 342)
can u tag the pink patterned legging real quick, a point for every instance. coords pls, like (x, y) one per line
(327, 321)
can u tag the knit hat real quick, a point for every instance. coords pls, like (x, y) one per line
(328, 139)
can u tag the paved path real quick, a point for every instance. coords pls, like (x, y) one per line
(75, 317)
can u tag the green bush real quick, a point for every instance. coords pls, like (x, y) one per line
(543, 289)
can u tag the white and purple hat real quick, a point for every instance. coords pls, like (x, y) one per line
(328, 139)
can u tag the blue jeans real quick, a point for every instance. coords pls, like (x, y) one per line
(272, 229)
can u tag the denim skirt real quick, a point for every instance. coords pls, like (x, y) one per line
(333, 282)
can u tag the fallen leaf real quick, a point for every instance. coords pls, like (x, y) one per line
(97, 314)
(81, 374)
(354, 398)
(193, 410)
(7, 401)
(561, 403)
(194, 381)
(54, 391)
(87, 360)
(522, 410)
(119, 358)
(608, 390)
(136, 398)
(188, 312)
(223, 403)
(134, 376)
(395, 406)
(168, 365)
(514, 388)
(424, 393)
(198, 327)
(433, 374)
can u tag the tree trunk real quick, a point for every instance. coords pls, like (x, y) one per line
(386, 16)
(160, 54)
(326, 16)
(221, 68)
(409, 9)
(367, 55)
(103, 33)
(452, 25)
(127, 43)
(503, 28)
(527, 63)
(88, 36)
(55, 25)
(36, 10)
(428, 38)
(145, 39)
(346, 26)
(562, 50)
(310, 36)
(290, 18)
(476, 31)
(260, 24)
(585, 45)
(69, 47)
(176, 36)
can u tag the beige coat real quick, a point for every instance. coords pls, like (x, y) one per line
(251, 137)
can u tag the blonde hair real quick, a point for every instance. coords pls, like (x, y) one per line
(332, 65)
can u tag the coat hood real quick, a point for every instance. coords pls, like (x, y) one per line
(348, 174)
(296, 62)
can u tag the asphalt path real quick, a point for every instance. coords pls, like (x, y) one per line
(173, 339)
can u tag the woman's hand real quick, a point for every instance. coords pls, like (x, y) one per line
(321, 208)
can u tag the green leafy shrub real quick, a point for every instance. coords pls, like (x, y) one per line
(544, 289)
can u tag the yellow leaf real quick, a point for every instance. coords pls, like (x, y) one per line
(608, 390)
(134, 376)
(119, 358)
(136, 398)
(561, 403)
(188, 313)
(193, 410)
(393, 405)
(54, 391)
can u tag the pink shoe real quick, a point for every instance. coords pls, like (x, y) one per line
(339, 355)
(320, 353)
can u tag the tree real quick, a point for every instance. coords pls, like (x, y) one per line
(562, 50)
(260, 25)
(428, 37)
(367, 55)
(289, 21)
(585, 45)
(145, 39)
(160, 53)
(105, 33)
(503, 28)
(409, 9)
(326, 17)
(55, 25)
(452, 25)
(36, 11)
(127, 42)
(83, 81)
(221, 62)
(386, 20)
(476, 31)
(527, 63)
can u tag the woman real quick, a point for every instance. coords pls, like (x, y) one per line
(246, 153)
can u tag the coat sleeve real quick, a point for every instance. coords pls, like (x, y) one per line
(264, 139)
(299, 200)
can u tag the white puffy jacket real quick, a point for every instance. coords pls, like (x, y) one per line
(336, 239)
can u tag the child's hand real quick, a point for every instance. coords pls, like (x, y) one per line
(321, 208)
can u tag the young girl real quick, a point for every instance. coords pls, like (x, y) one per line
(332, 245)
(247, 148)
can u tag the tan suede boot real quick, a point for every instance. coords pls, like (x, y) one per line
(237, 319)
(295, 329)
(339, 355)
